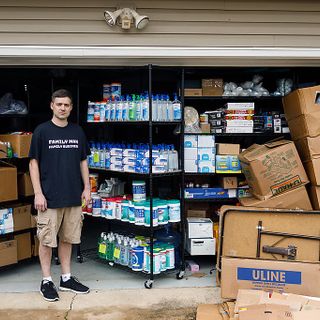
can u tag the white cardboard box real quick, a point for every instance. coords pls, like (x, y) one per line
(206, 141)
(201, 247)
(191, 153)
(206, 166)
(239, 129)
(239, 123)
(199, 228)
(190, 166)
(206, 154)
(190, 141)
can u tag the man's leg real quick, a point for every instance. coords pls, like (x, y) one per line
(64, 251)
(45, 254)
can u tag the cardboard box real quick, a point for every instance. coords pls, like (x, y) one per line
(20, 143)
(239, 130)
(21, 217)
(25, 187)
(294, 199)
(191, 92)
(312, 168)
(192, 213)
(205, 127)
(201, 247)
(304, 126)
(272, 168)
(239, 123)
(308, 148)
(8, 252)
(209, 193)
(205, 166)
(242, 242)
(240, 105)
(207, 141)
(228, 148)
(280, 276)
(190, 141)
(23, 245)
(227, 164)
(190, 153)
(199, 228)
(190, 166)
(266, 312)
(8, 185)
(314, 193)
(212, 87)
(301, 102)
(33, 221)
(206, 154)
(208, 312)
(229, 182)
(3, 150)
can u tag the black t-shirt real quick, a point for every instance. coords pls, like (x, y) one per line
(59, 151)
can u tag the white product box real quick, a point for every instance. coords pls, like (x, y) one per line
(201, 247)
(239, 129)
(206, 154)
(240, 105)
(116, 167)
(128, 168)
(116, 152)
(191, 153)
(206, 141)
(239, 123)
(206, 166)
(199, 228)
(158, 169)
(190, 141)
(129, 160)
(114, 159)
(190, 166)
(129, 153)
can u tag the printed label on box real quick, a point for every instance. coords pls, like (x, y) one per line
(269, 276)
(286, 185)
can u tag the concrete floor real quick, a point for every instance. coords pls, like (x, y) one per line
(98, 274)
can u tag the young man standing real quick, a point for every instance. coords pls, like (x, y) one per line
(60, 178)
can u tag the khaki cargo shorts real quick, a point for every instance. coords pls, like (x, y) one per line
(63, 222)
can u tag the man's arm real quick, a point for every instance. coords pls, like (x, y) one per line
(40, 202)
(85, 178)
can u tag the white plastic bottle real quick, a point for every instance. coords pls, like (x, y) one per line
(155, 107)
(169, 109)
(125, 109)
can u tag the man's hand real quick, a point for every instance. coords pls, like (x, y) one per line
(85, 197)
(40, 202)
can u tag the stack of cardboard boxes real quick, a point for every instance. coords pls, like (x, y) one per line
(302, 109)
(275, 175)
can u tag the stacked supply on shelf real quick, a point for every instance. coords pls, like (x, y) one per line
(133, 158)
(133, 208)
(275, 175)
(15, 144)
(6, 221)
(135, 252)
(227, 160)
(270, 122)
(135, 108)
(302, 111)
(200, 239)
(199, 153)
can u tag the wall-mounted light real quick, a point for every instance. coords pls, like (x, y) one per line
(124, 18)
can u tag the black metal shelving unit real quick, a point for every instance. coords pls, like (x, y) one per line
(151, 177)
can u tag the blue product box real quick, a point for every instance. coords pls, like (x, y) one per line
(227, 164)
(208, 193)
(190, 141)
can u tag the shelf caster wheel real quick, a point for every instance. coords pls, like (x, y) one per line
(56, 261)
(180, 275)
(111, 264)
(80, 259)
(148, 284)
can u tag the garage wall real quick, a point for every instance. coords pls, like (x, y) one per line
(251, 23)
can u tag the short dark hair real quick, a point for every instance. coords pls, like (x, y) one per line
(61, 93)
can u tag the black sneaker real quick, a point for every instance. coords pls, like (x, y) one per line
(74, 285)
(49, 291)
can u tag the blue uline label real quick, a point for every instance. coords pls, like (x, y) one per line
(267, 275)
